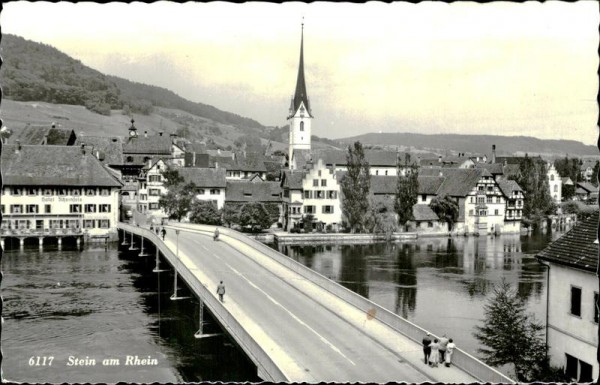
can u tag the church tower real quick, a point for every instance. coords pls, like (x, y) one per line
(300, 116)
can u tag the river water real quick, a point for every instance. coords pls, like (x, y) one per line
(94, 304)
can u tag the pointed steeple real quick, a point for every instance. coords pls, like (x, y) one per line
(301, 95)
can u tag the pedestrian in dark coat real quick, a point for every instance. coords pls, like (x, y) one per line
(221, 291)
(163, 233)
(427, 347)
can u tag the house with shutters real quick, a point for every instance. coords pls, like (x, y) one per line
(57, 191)
(151, 188)
(572, 297)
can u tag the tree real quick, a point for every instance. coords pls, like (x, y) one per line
(511, 336)
(307, 222)
(178, 200)
(446, 209)
(254, 215)
(407, 190)
(381, 217)
(533, 179)
(171, 177)
(231, 214)
(355, 187)
(205, 212)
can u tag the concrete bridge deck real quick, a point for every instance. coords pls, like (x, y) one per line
(297, 325)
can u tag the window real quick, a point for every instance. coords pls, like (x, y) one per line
(430, 224)
(481, 200)
(90, 192)
(47, 209)
(17, 191)
(74, 208)
(153, 206)
(215, 191)
(309, 209)
(470, 212)
(104, 208)
(332, 194)
(143, 197)
(320, 194)
(424, 198)
(90, 208)
(480, 188)
(307, 194)
(555, 188)
(376, 172)
(33, 209)
(472, 199)
(551, 177)
(498, 200)
(490, 188)
(286, 193)
(154, 178)
(76, 192)
(595, 308)
(319, 172)
(496, 212)
(104, 192)
(301, 126)
(201, 191)
(32, 191)
(88, 223)
(327, 209)
(576, 301)
(16, 209)
(490, 199)
(315, 183)
(154, 192)
(578, 370)
(385, 172)
(129, 159)
(104, 223)
(323, 182)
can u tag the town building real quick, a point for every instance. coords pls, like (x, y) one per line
(57, 191)
(300, 114)
(150, 189)
(586, 192)
(210, 183)
(554, 183)
(515, 199)
(587, 170)
(238, 193)
(572, 297)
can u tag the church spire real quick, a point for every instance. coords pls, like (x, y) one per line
(300, 96)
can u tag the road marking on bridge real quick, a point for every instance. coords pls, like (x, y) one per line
(333, 347)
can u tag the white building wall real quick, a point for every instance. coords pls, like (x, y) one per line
(300, 130)
(567, 333)
(216, 194)
(323, 176)
(555, 183)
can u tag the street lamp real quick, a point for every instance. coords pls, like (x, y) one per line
(174, 296)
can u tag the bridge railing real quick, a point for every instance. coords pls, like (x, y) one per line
(256, 353)
(460, 358)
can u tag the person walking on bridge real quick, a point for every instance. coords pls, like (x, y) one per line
(443, 345)
(221, 291)
(427, 347)
(163, 232)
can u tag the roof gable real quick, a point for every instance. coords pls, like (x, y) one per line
(576, 248)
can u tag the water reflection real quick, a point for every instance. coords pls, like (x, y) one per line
(441, 284)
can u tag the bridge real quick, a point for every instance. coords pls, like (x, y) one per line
(294, 324)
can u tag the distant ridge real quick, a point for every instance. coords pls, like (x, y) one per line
(481, 144)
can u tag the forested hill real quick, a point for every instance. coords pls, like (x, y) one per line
(39, 72)
(481, 144)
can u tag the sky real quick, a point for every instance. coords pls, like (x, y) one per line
(499, 68)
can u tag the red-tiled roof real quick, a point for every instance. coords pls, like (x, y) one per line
(53, 166)
(576, 248)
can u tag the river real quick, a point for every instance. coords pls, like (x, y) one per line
(90, 305)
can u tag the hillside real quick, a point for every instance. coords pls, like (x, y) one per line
(39, 72)
(478, 144)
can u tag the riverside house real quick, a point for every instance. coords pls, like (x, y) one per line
(57, 191)
(572, 317)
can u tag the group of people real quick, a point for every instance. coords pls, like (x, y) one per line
(438, 351)
(162, 232)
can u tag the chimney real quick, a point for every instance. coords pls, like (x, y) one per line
(160, 133)
(439, 159)
(493, 153)
(53, 124)
(45, 140)
(18, 149)
(83, 148)
(145, 134)
(194, 159)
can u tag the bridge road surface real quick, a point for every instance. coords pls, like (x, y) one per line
(307, 340)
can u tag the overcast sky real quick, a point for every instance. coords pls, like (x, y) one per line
(500, 68)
